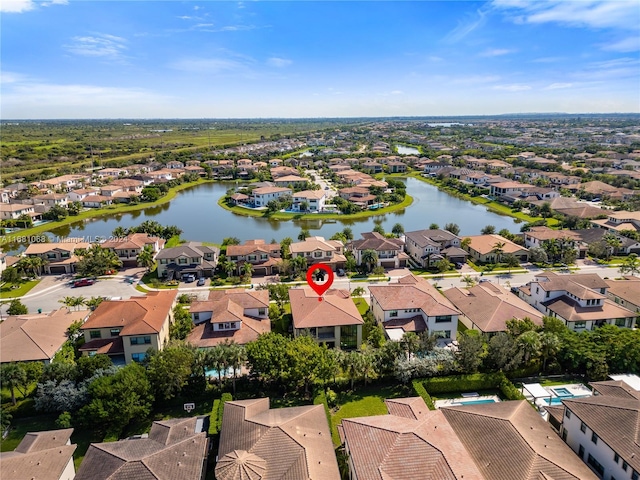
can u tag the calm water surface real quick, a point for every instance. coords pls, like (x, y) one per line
(197, 213)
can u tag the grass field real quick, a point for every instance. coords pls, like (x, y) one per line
(7, 290)
(362, 306)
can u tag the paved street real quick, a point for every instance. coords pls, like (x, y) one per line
(46, 294)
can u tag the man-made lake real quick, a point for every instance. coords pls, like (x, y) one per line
(197, 213)
(402, 150)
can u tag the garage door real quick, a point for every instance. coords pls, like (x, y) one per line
(57, 270)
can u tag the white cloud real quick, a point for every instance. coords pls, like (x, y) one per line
(209, 65)
(624, 14)
(278, 62)
(16, 6)
(465, 27)
(516, 87)
(55, 2)
(630, 44)
(98, 45)
(496, 52)
(557, 86)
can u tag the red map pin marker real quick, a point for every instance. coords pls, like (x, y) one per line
(319, 288)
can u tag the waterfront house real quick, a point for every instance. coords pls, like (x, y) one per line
(413, 305)
(490, 248)
(173, 449)
(59, 257)
(261, 196)
(389, 250)
(191, 258)
(257, 442)
(36, 337)
(319, 250)
(262, 256)
(426, 247)
(579, 300)
(290, 181)
(13, 211)
(486, 307)
(44, 455)
(313, 199)
(128, 248)
(126, 329)
(335, 321)
(236, 315)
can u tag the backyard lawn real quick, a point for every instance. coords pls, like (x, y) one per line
(8, 291)
(362, 305)
(364, 402)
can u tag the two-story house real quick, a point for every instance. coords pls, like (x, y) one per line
(191, 258)
(126, 329)
(319, 250)
(51, 199)
(618, 221)
(236, 315)
(603, 429)
(128, 248)
(290, 181)
(413, 305)
(361, 196)
(63, 183)
(262, 256)
(334, 321)
(491, 248)
(13, 211)
(261, 196)
(536, 236)
(579, 300)
(625, 292)
(59, 257)
(425, 247)
(389, 250)
(309, 201)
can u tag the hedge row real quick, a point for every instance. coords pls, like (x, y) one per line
(418, 387)
(226, 397)
(213, 417)
(509, 390)
(320, 398)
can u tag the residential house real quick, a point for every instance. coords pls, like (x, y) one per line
(126, 329)
(80, 194)
(236, 315)
(624, 246)
(257, 442)
(486, 307)
(128, 248)
(290, 181)
(389, 250)
(625, 292)
(619, 221)
(490, 248)
(60, 257)
(396, 167)
(51, 199)
(275, 162)
(360, 196)
(96, 201)
(603, 429)
(36, 337)
(111, 173)
(537, 236)
(489, 430)
(372, 167)
(13, 211)
(197, 169)
(334, 321)
(261, 196)
(579, 300)
(319, 250)
(403, 445)
(264, 257)
(110, 190)
(128, 185)
(425, 247)
(44, 455)
(173, 449)
(174, 164)
(63, 183)
(508, 188)
(413, 305)
(278, 172)
(309, 201)
(191, 258)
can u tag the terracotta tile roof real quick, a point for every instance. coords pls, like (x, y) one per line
(189, 249)
(267, 190)
(489, 307)
(173, 450)
(336, 308)
(616, 388)
(413, 292)
(522, 445)
(430, 237)
(315, 243)
(311, 194)
(42, 248)
(283, 443)
(545, 233)
(40, 455)
(413, 324)
(485, 244)
(291, 179)
(376, 241)
(135, 316)
(418, 443)
(133, 242)
(615, 420)
(106, 346)
(572, 311)
(36, 337)
(252, 246)
(628, 290)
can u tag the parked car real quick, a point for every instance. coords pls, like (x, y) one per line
(458, 265)
(341, 272)
(201, 281)
(189, 278)
(84, 282)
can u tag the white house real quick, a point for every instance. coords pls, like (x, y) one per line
(314, 199)
(263, 195)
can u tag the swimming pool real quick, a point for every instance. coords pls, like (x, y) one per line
(554, 401)
(476, 402)
(562, 392)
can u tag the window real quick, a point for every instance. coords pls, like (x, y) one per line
(348, 337)
(196, 317)
(163, 261)
(625, 465)
(567, 413)
(597, 467)
(114, 332)
(616, 458)
(182, 261)
(138, 357)
(620, 322)
(95, 334)
(577, 325)
(317, 254)
(634, 475)
(581, 452)
(443, 318)
(548, 293)
(262, 311)
(393, 313)
(594, 438)
(146, 340)
(583, 427)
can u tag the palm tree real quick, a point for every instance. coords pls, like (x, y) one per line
(299, 264)
(303, 235)
(511, 261)
(498, 250)
(465, 242)
(13, 376)
(78, 302)
(226, 265)
(119, 232)
(630, 265)
(67, 301)
(235, 356)
(529, 343)
(549, 347)
(369, 258)
(215, 360)
(397, 229)
(247, 269)
(469, 280)
(93, 302)
(145, 258)
(613, 242)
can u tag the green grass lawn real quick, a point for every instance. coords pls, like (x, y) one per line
(363, 308)
(7, 290)
(363, 402)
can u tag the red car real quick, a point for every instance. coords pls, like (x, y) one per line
(85, 282)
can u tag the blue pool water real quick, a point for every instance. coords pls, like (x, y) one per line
(554, 401)
(562, 392)
(214, 373)
(475, 402)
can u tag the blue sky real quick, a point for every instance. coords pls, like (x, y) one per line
(222, 59)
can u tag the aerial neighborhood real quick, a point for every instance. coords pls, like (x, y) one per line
(435, 351)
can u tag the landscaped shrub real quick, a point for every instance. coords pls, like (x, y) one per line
(462, 383)
(421, 391)
(213, 417)
(226, 397)
(320, 398)
(509, 390)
